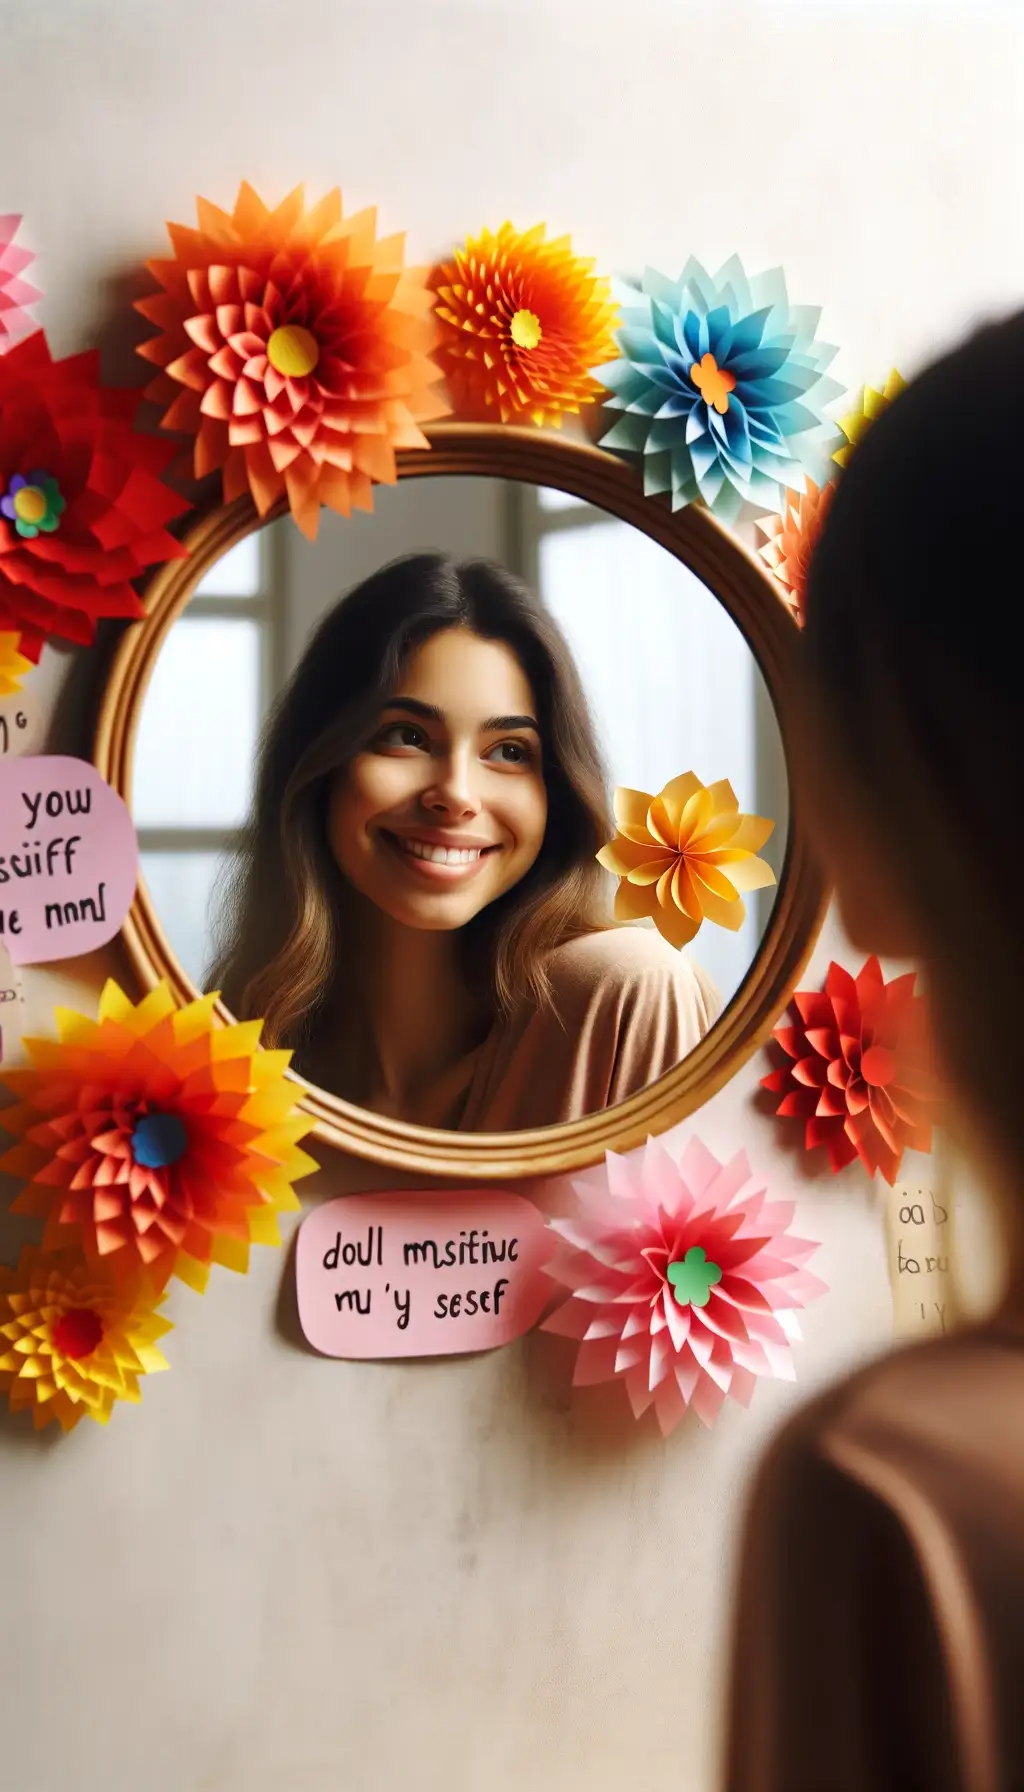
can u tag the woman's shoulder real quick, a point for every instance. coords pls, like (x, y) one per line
(629, 960)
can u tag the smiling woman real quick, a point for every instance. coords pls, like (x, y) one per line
(418, 912)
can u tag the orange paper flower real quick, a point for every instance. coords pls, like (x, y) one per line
(74, 1339)
(869, 406)
(857, 1069)
(791, 541)
(525, 321)
(684, 856)
(296, 348)
(13, 664)
(155, 1139)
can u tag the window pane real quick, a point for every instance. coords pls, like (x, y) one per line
(669, 678)
(183, 888)
(196, 746)
(238, 573)
(550, 498)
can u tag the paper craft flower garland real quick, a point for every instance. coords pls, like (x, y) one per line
(155, 1140)
(858, 1069)
(74, 1337)
(684, 856)
(684, 1279)
(791, 541)
(721, 384)
(16, 295)
(525, 321)
(83, 509)
(869, 407)
(13, 663)
(296, 348)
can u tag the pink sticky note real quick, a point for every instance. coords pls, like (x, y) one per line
(421, 1274)
(68, 859)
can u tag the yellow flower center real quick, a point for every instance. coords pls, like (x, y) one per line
(293, 351)
(525, 329)
(30, 504)
(714, 383)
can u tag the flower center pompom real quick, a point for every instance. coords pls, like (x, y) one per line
(692, 1278)
(525, 329)
(159, 1140)
(714, 383)
(77, 1333)
(293, 351)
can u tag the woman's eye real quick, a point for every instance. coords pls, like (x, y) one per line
(402, 734)
(511, 752)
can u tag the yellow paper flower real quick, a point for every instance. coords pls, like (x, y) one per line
(524, 322)
(684, 856)
(74, 1338)
(870, 406)
(155, 1139)
(791, 540)
(13, 664)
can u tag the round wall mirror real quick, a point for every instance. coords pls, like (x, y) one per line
(370, 775)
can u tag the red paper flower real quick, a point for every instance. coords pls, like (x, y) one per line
(684, 1278)
(83, 510)
(296, 349)
(858, 1069)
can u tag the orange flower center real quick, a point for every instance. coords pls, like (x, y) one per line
(293, 351)
(878, 1066)
(525, 329)
(714, 383)
(77, 1332)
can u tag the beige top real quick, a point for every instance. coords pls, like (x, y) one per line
(879, 1643)
(626, 1007)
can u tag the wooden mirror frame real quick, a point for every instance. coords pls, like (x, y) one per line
(746, 591)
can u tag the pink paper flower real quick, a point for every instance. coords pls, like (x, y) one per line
(646, 1303)
(15, 293)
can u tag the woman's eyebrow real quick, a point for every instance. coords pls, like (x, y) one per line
(431, 713)
(495, 724)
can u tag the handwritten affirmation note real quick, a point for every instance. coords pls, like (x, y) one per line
(68, 859)
(421, 1274)
(21, 724)
(919, 1226)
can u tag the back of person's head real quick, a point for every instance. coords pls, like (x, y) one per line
(912, 649)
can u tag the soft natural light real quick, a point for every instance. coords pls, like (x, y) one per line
(206, 688)
(181, 886)
(238, 574)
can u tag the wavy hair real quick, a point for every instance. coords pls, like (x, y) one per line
(281, 936)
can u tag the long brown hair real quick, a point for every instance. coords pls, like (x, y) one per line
(281, 938)
(912, 645)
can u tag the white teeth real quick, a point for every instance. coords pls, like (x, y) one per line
(441, 855)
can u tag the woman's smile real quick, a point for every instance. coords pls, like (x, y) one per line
(434, 859)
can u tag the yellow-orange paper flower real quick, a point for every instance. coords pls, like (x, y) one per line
(296, 348)
(13, 664)
(524, 322)
(684, 856)
(870, 406)
(791, 540)
(155, 1139)
(74, 1338)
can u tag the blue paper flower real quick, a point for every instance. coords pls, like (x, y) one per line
(721, 384)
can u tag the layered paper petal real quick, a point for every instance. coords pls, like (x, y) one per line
(16, 295)
(683, 1279)
(683, 857)
(791, 539)
(83, 509)
(858, 1069)
(155, 1139)
(296, 347)
(524, 321)
(74, 1337)
(13, 663)
(870, 405)
(721, 385)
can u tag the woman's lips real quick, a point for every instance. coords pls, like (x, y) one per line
(444, 864)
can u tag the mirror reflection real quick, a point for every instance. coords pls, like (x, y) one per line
(372, 774)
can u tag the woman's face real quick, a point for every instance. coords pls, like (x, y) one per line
(445, 808)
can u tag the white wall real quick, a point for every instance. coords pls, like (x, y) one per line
(286, 1572)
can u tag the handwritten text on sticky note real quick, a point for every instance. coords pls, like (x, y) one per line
(68, 859)
(421, 1275)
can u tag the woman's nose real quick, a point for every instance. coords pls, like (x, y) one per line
(453, 790)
